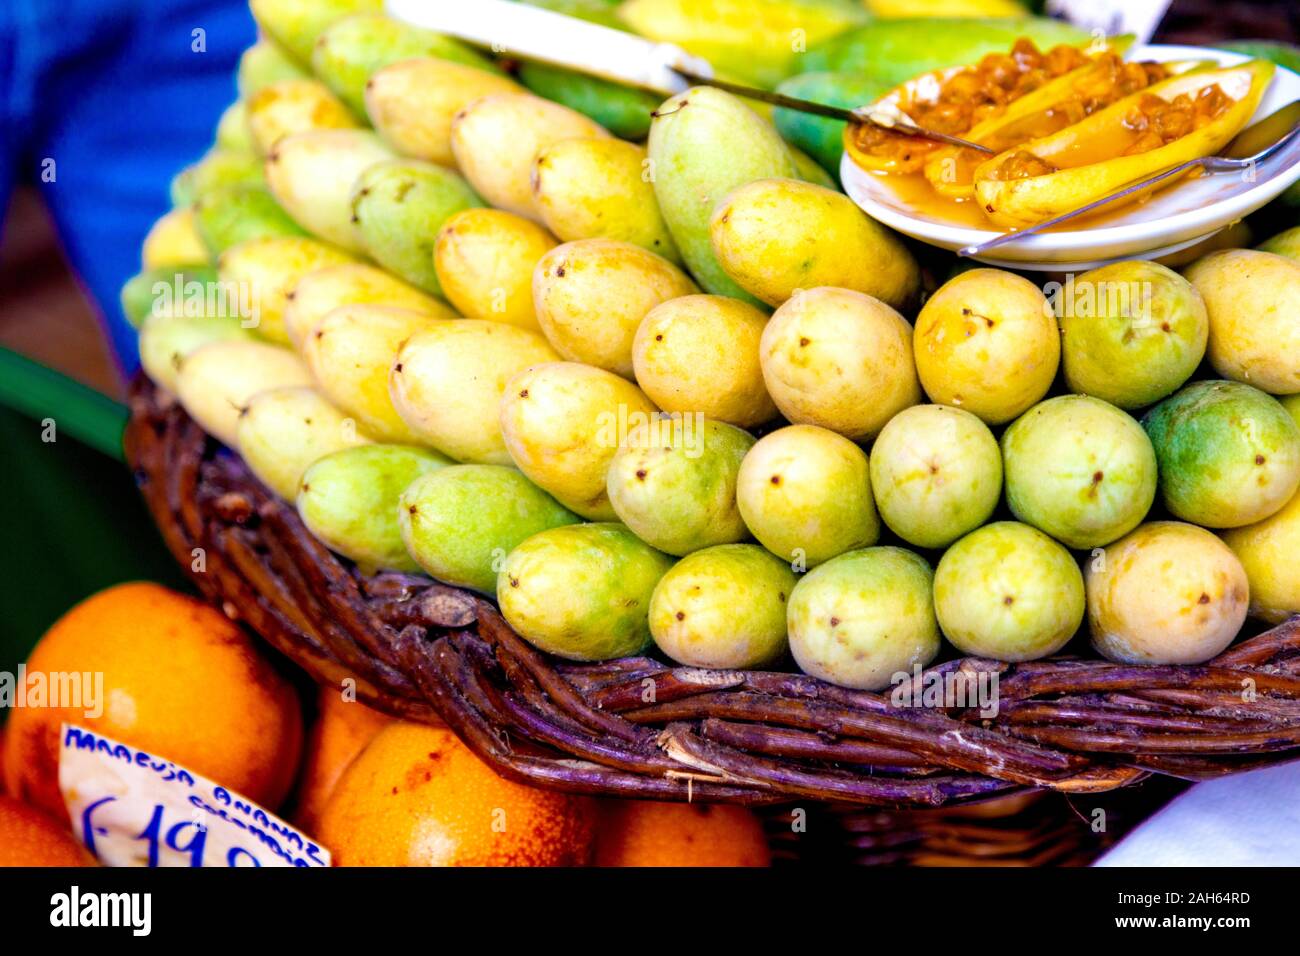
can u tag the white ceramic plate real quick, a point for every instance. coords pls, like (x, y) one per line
(1172, 219)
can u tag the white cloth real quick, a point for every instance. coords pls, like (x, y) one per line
(1250, 819)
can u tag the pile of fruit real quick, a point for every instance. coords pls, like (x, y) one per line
(182, 682)
(685, 392)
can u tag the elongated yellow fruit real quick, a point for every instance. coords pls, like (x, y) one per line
(1082, 157)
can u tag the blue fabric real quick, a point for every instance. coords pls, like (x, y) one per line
(113, 92)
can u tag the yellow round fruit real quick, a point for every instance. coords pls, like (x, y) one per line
(1268, 550)
(839, 359)
(1253, 300)
(700, 353)
(987, 342)
(1167, 593)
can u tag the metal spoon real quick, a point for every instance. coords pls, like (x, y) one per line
(891, 119)
(1251, 146)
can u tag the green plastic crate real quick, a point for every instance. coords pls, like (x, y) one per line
(74, 522)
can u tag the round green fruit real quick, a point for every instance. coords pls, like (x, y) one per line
(1132, 332)
(1079, 469)
(1008, 592)
(1285, 243)
(1229, 454)
(723, 607)
(863, 617)
(936, 473)
(673, 482)
(582, 591)
(1292, 405)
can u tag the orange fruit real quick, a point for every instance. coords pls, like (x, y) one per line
(180, 680)
(417, 796)
(30, 838)
(342, 730)
(650, 833)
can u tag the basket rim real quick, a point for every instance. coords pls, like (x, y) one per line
(638, 727)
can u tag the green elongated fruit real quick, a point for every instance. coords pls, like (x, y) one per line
(312, 175)
(1283, 54)
(398, 208)
(355, 47)
(758, 41)
(723, 607)
(284, 431)
(582, 591)
(1286, 243)
(807, 169)
(623, 110)
(157, 286)
(349, 501)
(297, 24)
(218, 169)
(703, 144)
(167, 339)
(673, 482)
(227, 217)
(264, 63)
(460, 522)
(893, 51)
(1229, 454)
(820, 137)
(232, 129)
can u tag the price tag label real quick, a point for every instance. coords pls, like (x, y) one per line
(1113, 17)
(133, 808)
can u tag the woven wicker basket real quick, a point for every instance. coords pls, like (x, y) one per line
(638, 727)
